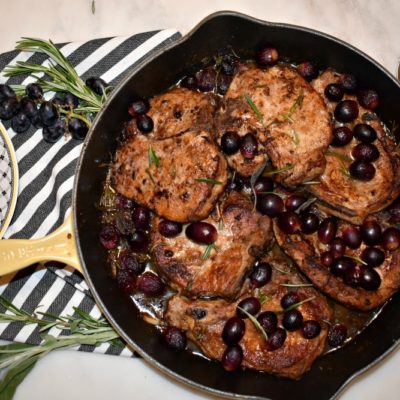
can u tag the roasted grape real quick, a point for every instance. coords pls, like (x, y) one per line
(308, 70)
(201, 232)
(249, 146)
(144, 123)
(342, 135)
(269, 321)
(250, 304)
(261, 274)
(365, 152)
(233, 330)
(267, 56)
(232, 358)
(150, 284)
(348, 82)
(365, 133)
(373, 256)
(276, 339)
(337, 334)
(294, 201)
(334, 92)
(174, 338)
(270, 204)
(362, 170)
(309, 222)
(289, 222)
(369, 279)
(327, 230)
(371, 232)
(109, 236)
(206, 79)
(310, 329)
(352, 237)
(346, 111)
(169, 228)
(141, 218)
(139, 107)
(391, 239)
(289, 299)
(230, 142)
(292, 320)
(368, 98)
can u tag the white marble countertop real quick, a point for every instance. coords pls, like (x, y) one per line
(373, 26)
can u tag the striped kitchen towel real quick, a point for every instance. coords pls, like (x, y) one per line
(46, 180)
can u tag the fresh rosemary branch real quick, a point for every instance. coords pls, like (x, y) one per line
(255, 109)
(208, 250)
(207, 180)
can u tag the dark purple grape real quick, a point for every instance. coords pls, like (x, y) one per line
(48, 113)
(362, 170)
(289, 299)
(6, 92)
(250, 304)
(289, 222)
(327, 230)
(365, 152)
(169, 229)
(263, 184)
(334, 92)
(270, 204)
(371, 232)
(364, 133)
(129, 262)
(189, 82)
(229, 64)
(391, 239)
(232, 358)
(141, 218)
(373, 256)
(346, 111)
(261, 274)
(341, 265)
(249, 146)
(235, 184)
(230, 142)
(352, 276)
(174, 338)
(293, 202)
(206, 79)
(369, 279)
(352, 237)
(144, 123)
(139, 242)
(20, 123)
(77, 128)
(233, 330)
(269, 321)
(276, 339)
(28, 107)
(123, 202)
(308, 70)
(223, 83)
(337, 247)
(109, 236)
(8, 108)
(327, 258)
(139, 107)
(53, 133)
(201, 232)
(150, 284)
(37, 121)
(309, 222)
(97, 84)
(368, 98)
(57, 101)
(267, 56)
(70, 101)
(310, 329)
(292, 320)
(126, 281)
(337, 334)
(348, 82)
(342, 135)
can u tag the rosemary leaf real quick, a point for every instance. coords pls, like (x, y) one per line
(306, 204)
(294, 137)
(293, 306)
(357, 259)
(153, 159)
(339, 155)
(253, 179)
(148, 172)
(207, 251)
(288, 167)
(263, 298)
(255, 323)
(312, 183)
(296, 285)
(296, 105)
(250, 102)
(207, 180)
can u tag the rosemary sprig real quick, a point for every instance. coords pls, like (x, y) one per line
(312, 183)
(306, 204)
(293, 306)
(287, 167)
(256, 324)
(207, 180)
(357, 259)
(263, 298)
(148, 172)
(253, 179)
(294, 137)
(296, 285)
(153, 159)
(296, 105)
(250, 102)
(336, 154)
(208, 250)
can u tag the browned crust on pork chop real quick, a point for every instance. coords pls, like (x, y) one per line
(348, 198)
(295, 128)
(171, 189)
(292, 360)
(242, 235)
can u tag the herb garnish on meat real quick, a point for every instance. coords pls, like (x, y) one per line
(250, 102)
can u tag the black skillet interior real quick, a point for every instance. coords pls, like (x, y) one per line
(220, 32)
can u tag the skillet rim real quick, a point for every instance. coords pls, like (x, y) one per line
(153, 362)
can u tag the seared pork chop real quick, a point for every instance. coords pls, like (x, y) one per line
(292, 128)
(348, 198)
(306, 251)
(242, 235)
(161, 174)
(204, 320)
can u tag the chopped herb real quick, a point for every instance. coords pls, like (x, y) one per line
(250, 102)
(255, 323)
(150, 175)
(296, 105)
(312, 183)
(256, 174)
(288, 167)
(294, 137)
(306, 204)
(263, 298)
(391, 132)
(296, 285)
(293, 306)
(153, 159)
(280, 270)
(207, 251)
(107, 198)
(343, 169)
(273, 122)
(358, 259)
(206, 180)
(336, 154)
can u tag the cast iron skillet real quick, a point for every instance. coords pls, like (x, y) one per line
(218, 32)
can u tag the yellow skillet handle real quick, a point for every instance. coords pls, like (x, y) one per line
(60, 245)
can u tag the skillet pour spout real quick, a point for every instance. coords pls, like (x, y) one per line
(222, 32)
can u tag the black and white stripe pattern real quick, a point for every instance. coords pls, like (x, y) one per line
(46, 181)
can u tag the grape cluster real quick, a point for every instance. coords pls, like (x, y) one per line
(57, 117)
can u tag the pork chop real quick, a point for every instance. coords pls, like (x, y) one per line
(348, 198)
(287, 116)
(163, 175)
(204, 320)
(242, 236)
